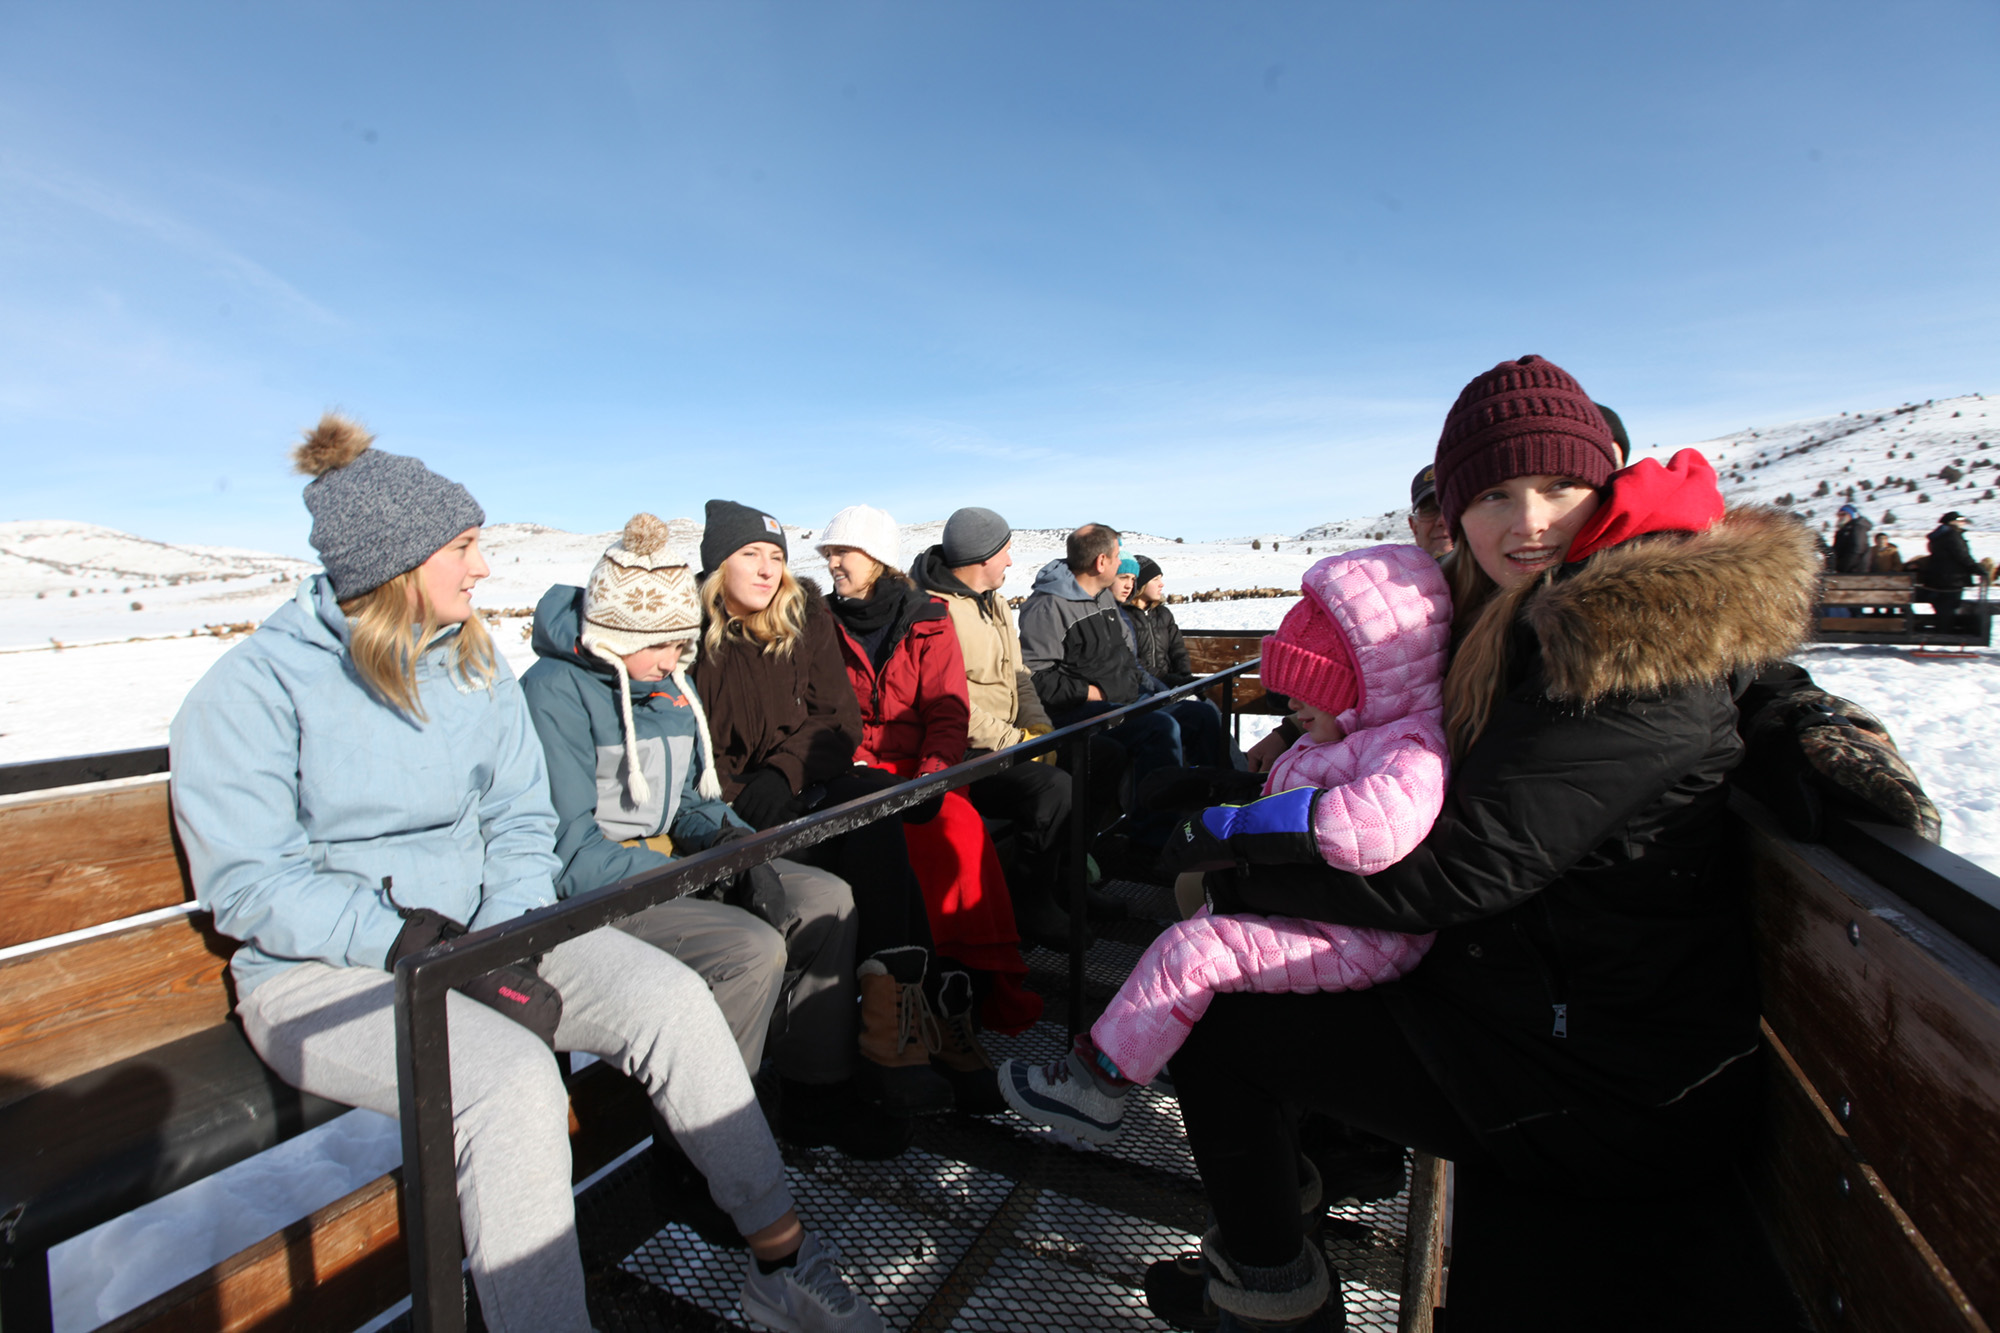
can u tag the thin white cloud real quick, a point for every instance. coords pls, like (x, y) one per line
(121, 210)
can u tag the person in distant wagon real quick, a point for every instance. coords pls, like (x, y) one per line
(1884, 557)
(1950, 569)
(1851, 547)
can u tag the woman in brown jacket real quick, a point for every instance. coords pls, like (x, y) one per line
(785, 724)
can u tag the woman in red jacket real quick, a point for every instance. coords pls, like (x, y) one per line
(903, 660)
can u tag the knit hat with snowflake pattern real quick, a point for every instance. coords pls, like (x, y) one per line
(638, 596)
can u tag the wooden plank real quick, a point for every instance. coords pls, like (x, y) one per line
(1865, 597)
(1423, 1247)
(81, 860)
(1866, 580)
(1883, 626)
(1898, 1026)
(327, 1273)
(1853, 1254)
(69, 1010)
(338, 1268)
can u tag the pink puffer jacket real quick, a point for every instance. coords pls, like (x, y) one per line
(1382, 784)
(1384, 781)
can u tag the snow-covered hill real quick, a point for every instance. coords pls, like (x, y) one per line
(1903, 467)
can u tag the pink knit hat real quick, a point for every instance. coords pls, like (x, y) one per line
(1310, 659)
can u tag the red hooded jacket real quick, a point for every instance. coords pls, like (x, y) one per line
(915, 710)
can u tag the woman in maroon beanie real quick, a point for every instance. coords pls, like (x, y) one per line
(1586, 1022)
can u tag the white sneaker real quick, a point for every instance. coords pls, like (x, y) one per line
(1054, 1094)
(809, 1297)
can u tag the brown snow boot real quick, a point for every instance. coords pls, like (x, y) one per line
(975, 1083)
(897, 1033)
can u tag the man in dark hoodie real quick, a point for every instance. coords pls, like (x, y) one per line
(1074, 646)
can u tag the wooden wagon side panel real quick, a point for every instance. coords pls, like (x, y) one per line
(1897, 1028)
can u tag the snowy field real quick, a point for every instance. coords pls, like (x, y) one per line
(102, 634)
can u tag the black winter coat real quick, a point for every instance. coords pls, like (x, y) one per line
(1161, 649)
(1589, 1003)
(1951, 564)
(793, 712)
(1851, 554)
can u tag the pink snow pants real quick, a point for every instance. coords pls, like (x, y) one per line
(1194, 960)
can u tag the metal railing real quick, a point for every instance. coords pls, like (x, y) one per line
(423, 1045)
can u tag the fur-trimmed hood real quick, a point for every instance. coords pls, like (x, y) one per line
(1676, 609)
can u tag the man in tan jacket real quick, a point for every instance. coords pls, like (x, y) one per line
(965, 571)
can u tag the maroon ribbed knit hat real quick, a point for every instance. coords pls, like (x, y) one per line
(1521, 418)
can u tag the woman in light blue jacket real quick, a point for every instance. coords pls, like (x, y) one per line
(360, 780)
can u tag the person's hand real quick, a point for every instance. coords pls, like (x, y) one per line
(1265, 753)
(519, 992)
(1028, 734)
(1191, 847)
(1812, 748)
(754, 890)
(1168, 791)
(422, 928)
(766, 799)
(1093, 694)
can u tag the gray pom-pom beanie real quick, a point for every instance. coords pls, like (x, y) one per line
(375, 514)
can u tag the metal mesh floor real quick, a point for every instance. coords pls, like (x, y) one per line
(987, 1223)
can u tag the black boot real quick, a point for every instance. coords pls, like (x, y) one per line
(680, 1192)
(975, 1083)
(831, 1115)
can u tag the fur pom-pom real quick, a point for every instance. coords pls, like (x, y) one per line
(644, 535)
(335, 442)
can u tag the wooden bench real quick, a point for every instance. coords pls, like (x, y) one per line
(1876, 608)
(124, 1077)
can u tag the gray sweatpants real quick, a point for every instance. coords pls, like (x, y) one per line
(330, 1031)
(812, 1036)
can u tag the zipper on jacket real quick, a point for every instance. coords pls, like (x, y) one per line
(1552, 976)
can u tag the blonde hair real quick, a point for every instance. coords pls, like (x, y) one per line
(1482, 614)
(776, 629)
(385, 643)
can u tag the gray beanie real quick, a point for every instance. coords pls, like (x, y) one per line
(972, 536)
(375, 514)
(728, 527)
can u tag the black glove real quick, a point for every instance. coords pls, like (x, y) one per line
(1192, 847)
(1173, 791)
(924, 811)
(518, 991)
(766, 799)
(754, 888)
(422, 928)
(1809, 750)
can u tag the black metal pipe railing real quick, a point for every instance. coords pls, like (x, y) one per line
(423, 1045)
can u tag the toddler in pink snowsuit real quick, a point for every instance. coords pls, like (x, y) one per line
(1362, 659)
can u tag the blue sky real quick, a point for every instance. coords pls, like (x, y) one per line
(1198, 269)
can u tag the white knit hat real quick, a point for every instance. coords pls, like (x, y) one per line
(639, 596)
(865, 529)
